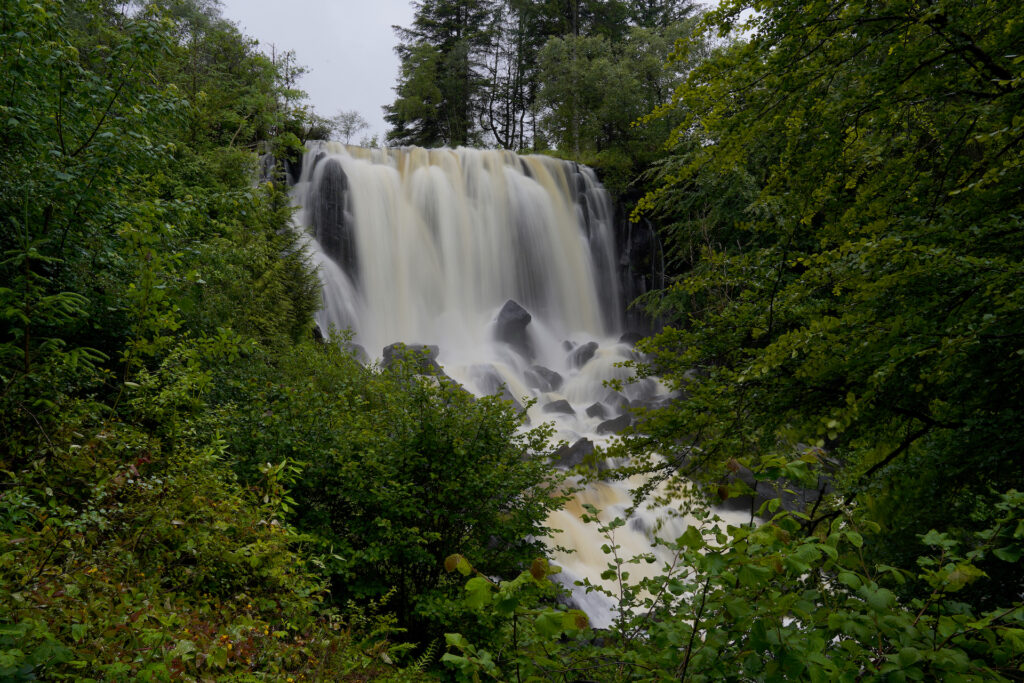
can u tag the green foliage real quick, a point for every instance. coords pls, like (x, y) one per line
(530, 622)
(528, 75)
(845, 210)
(764, 602)
(398, 471)
(592, 90)
(138, 262)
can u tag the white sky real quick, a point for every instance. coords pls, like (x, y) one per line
(347, 45)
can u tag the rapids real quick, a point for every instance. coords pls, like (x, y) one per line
(427, 246)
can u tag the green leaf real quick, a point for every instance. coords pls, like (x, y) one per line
(1009, 553)
(458, 562)
(217, 657)
(549, 623)
(574, 620)
(753, 576)
(691, 538)
(456, 640)
(850, 579)
(878, 599)
(908, 656)
(479, 592)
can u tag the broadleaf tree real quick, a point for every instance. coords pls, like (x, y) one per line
(854, 283)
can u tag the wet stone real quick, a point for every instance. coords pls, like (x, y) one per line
(630, 338)
(614, 425)
(571, 456)
(560, 407)
(543, 379)
(582, 354)
(616, 401)
(425, 356)
(510, 327)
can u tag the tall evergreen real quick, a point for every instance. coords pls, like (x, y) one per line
(471, 69)
(439, 85)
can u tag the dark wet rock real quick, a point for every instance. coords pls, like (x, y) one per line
(645, 389)
(510, 327)
(490, 383)
(582, 354)
(268, 167)
(320, 156)
(568, 345)
(630, 338)
(357, 351)
(318, 334)
(651, 404)
(293, 170)
(543, 379)
(597, 410)
(615, 425)
(424, 355)
(641, 267)
(331, 215)
(571, 456)
(616, 401)
(639, 525)
(793, 496)
(560, 407)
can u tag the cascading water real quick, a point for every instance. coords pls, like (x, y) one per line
(506, 263)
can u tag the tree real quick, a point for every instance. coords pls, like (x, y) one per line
(348, 123)
(482, 60)
(861, 295)
(593, 91)
(397, 472)
(758, 601)
(439, 52)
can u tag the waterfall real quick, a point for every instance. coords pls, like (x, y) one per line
(507, 264)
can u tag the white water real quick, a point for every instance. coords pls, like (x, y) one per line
(432, 245)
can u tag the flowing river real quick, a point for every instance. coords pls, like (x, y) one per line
(505, 263)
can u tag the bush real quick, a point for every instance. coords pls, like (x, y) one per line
(394, 471)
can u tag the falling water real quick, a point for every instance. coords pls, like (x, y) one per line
(430, 246)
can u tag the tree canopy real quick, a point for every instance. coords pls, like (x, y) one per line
(858, 289)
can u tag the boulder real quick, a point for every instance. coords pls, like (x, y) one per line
(425, 356)
(582, 354)
(570, 456)
(630, 338)
(645, 389)
(793, 496)
(332, 219)
(560, 407)
(510, 327)
(615, 425)
(490, 383)
(616, 401)
(597, 410)
(357, 351)
(541, 378)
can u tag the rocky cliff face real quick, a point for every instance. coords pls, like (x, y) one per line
(641, 267)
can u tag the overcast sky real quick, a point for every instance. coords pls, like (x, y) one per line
(347, 45)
